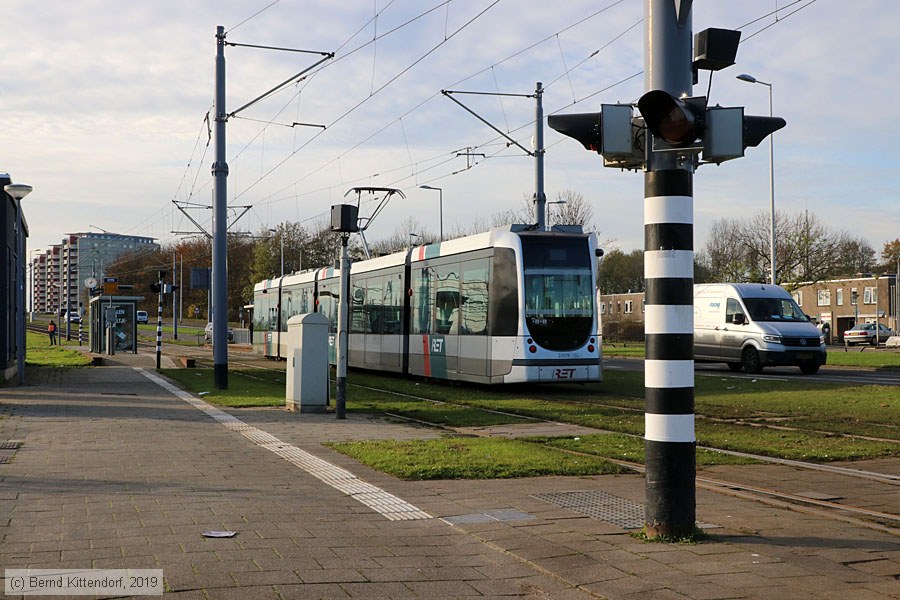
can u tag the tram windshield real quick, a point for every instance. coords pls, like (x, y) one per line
(559, 298)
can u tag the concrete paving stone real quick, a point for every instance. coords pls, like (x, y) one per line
(443, 589)
(711, 567)
(380, 590)
(886, 588)
(225, 566)
(613, 588)
(702, 590)
(743, 581)
(592, 574)
(335, 574)
(661, 594)
(274, 563)
(421, 574)
(857, 593)
(262, 592)
(499, 589)
(404, 561)
(311, 592)
(530, 549)
(254, 578)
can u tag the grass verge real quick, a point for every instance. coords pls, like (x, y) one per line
(472, 458)
(39, 353)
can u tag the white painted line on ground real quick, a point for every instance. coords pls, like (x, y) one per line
(382, 502)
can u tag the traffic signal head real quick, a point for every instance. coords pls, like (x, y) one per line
(756, 129)
(611, 132)
(676, 121)
(584, 127)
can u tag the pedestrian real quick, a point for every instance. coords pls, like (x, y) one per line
(51, 330)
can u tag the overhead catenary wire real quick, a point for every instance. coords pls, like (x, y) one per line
(277, 195)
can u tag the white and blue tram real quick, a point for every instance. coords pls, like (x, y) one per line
(506, 306)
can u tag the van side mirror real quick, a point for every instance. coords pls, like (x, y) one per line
(737, 319)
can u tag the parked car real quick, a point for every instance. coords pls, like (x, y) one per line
(142, 316)
(74, 317)
(864, 333)
(208, 333)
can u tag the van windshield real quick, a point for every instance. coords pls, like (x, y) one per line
(774, 309)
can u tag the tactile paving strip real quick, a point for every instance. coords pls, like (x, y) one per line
(599, 505)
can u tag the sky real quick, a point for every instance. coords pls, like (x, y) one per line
(104, 106)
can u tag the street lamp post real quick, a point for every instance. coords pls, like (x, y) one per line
(752, 79)
(441, 205)
(19, 191)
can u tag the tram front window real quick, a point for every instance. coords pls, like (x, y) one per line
(559, 299)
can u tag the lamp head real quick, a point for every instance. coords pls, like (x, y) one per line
(747, 78)
(17, 190)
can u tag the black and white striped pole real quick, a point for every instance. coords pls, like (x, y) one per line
(159, 319)
(679, 128)
(669, 438)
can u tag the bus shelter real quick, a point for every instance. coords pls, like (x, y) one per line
(114, 317)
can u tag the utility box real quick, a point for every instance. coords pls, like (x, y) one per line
(307, 363)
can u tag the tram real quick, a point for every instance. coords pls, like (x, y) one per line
(507, 306)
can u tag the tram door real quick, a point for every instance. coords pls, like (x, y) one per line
(471, 322)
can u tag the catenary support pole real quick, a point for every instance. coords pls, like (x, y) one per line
(669, 438)
(342, 337)
(220, 227)
(540, 198)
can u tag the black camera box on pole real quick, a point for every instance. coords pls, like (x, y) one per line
(344, 218)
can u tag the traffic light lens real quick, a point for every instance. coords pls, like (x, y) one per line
(676, 126)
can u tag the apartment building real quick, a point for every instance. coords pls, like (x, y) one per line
(61, 272)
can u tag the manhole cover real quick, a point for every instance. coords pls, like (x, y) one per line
(599, 505)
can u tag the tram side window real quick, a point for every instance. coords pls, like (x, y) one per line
(287, 307)
(446, 299)
(305, 303)
(373, 306)
(474, 309)
(422, 283)
(392, 307)
(504, 299)
(328, 303)
(264, 311)
(359, 322)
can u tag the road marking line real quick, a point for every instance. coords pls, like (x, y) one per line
(382, 502)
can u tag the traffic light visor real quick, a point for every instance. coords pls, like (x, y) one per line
(672, 119)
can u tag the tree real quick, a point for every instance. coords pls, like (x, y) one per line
(806, 251)
(621, 273)
(572, 210)
(891, 255)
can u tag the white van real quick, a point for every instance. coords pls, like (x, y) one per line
(752, 325)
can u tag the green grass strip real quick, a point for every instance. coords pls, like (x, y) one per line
(472, 458)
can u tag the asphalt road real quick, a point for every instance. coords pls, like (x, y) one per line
(842, 375)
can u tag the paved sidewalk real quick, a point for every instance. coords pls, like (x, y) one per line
(116, 471)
